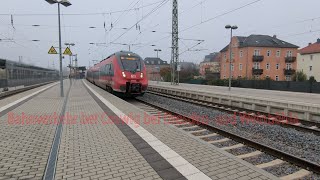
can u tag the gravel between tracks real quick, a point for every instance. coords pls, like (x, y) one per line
(301, 144)
(282, 169)
(260, 159)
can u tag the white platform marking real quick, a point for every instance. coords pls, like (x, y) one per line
(24, 98)
(183, 166)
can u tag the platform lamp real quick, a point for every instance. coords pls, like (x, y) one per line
(65, 3)
(230, 48)
(158, 50)
(69, 45)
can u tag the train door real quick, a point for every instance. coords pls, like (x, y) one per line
(106, 80)
(3, 74)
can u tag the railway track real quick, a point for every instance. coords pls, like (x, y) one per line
(20, 90)
(300, 125)
(283, 165)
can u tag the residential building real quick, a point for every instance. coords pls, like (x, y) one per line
(259, 57)
(188, 66)
(211, 66)
(153, 66)
(309, 60)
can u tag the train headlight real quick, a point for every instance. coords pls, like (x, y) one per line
(123, 74)
(141, 75)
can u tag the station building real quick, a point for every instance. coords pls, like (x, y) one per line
(153, 66)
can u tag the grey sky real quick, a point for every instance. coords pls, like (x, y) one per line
(281, 17)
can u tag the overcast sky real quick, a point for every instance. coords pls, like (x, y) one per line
(295, 21)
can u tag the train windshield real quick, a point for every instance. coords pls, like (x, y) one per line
(132, 64)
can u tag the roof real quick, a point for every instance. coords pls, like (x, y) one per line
(154, 61)
(212, 57)
(10, 64)
(261, 41)
(187, 65)
(311, 48)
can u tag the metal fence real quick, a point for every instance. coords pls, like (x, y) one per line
(293, 86)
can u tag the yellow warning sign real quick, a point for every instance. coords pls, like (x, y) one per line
(52, 50)
(67, 52)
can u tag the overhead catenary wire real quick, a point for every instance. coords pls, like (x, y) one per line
(124, 13)
(78, 14)
(152, 11)
(208, 20)
(147, 15)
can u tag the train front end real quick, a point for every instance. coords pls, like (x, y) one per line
(132, 72)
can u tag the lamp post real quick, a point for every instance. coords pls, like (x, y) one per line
(69, 45)
(158, 50)
(230, 49)
(65, 3)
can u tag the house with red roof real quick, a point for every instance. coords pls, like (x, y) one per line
(309, 60)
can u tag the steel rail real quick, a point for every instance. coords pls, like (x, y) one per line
(312, 166)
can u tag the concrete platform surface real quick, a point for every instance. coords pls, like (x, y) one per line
(91, 134)
(306, 98)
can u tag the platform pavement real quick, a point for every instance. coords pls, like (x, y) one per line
(93, 150)
(24, 148)
(18, 96)
(111, 151)
(305, 98)
(210, 160)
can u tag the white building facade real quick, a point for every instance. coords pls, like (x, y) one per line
(309, 60)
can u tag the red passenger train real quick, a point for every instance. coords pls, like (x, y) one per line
(122, 73)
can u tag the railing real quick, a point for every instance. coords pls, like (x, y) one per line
(257, 71)
(289, 71)
(257, 58)
(290, 59)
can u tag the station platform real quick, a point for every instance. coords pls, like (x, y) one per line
(304, 106)
(102, 137)
(307, 98)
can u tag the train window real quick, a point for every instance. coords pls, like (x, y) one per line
(111, 72)
(106, 69)
(3, 73)
(2, 64)
(132, 64)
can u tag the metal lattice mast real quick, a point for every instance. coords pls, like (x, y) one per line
(175, 44)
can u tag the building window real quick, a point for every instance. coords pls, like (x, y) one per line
(241, 53)
(224, 66)
(288, 66)
(232, 67)
(311, 57)
(239, 76)
(256, 65)
(268, 53)
(152, 62)
(224, 77)
(225, 56)
(256, 52)
(147, 62)
(240, 67)
(278, 53)
(267, 76)
(289, 53)
(310, 68)
(232, 56)
(158, 62)
(268, 66)
(277, 78)
(288, 78)
(277, 66)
